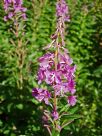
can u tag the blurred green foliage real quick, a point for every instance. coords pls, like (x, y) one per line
(20, 114)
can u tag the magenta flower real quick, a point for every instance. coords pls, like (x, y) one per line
(61, 79)
(71, 86)
(61, 89)
(52, 77)
(10, 15)
(12, 8)
(41, 95)
(41, 75)
(55, 114)
(47, 60)
(65, 59)
(5, 18)
(47, 56)
(72, 100)
(62, 10)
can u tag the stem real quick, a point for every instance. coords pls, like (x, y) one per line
(56, 62)
(21, 55)
(55, 98)
(48, 130)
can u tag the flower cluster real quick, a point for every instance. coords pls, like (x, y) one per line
(12, 8)
(41, 95)
(56, 68)
(62, 10)
(62, 78)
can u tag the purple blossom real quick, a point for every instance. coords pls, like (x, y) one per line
(69, 72)
(12, 7)
(61, 89)
(72, 100)
(58, 89)
(41, 95)
(47, 56)
(62, 10)
(41, 75)
(10, 15)
(46, 61)
(62, 79)
(5, 18)
(71, 86)
(55, 114)
(65, 59)
(24, 16)
(52, 77)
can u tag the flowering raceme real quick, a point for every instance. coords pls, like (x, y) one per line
(56, 68)
(13, 7)
(62, 78)
(16, 14)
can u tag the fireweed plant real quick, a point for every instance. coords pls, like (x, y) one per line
(15, 14)
(57, 71)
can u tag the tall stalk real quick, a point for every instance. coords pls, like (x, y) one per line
(57, 71)
(15, 13)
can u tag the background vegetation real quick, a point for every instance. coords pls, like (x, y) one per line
(20, 113)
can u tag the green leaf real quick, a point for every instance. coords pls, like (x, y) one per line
(6, 132)
(66, 123)
(70, 117)
(9, 107)
(1, 123)
(73, 110)
(19, 106)
(64, 108)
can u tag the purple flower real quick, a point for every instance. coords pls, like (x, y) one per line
(41, 95)
(55, 114)
(41, 75)
(71, 86)
(12, 7)
(5, 18)
(62, 10)
(61, 89)
(18, 2)
(52, 77)
(72, 100)
(47, 95)
(62, 79)
(24, 16)
(46, 61)
(65, 59)
(58, 89)
(10, 15)
(70, 72)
